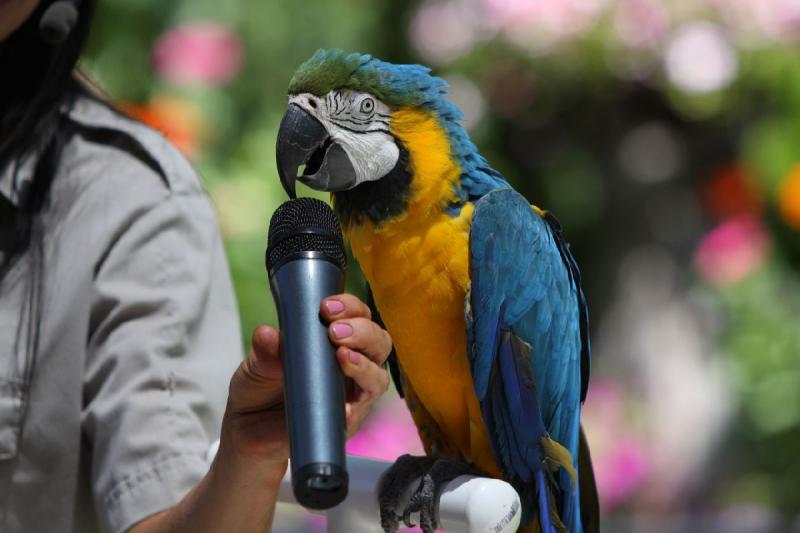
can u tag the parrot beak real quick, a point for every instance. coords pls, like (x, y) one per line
(303, 140)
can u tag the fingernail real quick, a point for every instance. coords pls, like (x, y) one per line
(341, 331)
(334, 307)
(354, 358)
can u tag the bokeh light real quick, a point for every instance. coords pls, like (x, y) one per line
(651, 153)
(699, 59)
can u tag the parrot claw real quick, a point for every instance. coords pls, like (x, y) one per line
(394, 483)
(424, 502)
(435, 474)
(407, 519)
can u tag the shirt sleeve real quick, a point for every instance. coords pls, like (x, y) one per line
(164, 341)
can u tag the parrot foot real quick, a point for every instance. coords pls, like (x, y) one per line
(394, 483)
(426, 500)
(434, 474)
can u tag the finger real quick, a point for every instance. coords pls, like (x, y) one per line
(354, 416)
(264, 363)
(258, 382)
(351, 419)
(362, 335)
(348, 414)
(341, 306)
(371, 378)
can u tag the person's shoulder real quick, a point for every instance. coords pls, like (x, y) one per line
(122, 152)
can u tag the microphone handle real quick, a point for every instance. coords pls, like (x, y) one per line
(314, 390)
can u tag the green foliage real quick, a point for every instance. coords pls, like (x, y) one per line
(764, 349)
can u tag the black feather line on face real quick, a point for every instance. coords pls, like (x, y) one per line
(378, 200)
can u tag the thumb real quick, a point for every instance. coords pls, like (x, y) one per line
(258, 382)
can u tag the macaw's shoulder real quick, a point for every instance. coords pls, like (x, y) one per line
(509, 230)
(501, 207)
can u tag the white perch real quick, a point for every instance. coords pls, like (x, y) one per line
(468, 504)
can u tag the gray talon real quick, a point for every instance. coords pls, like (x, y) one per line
(407, 519)
(393, 485)
(435, 473)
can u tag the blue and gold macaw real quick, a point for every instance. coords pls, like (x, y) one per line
(477, 287)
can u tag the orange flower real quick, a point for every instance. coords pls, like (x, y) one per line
(789, 198)
(180, 121)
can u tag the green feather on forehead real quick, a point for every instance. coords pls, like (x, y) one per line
(395, 85)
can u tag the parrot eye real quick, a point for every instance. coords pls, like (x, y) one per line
(367, 105)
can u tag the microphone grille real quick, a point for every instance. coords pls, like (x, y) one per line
(304, 225)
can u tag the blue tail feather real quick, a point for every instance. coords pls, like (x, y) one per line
(545, 521)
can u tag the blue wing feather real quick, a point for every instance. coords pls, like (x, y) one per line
(526, 332)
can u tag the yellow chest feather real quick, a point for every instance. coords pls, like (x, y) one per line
(420, 280)
(418, 268)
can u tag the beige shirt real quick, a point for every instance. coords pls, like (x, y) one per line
(114, 367)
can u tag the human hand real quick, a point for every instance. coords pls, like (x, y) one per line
(254, 427)
(362, 348)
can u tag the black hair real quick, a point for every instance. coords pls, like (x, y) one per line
(38, 80)
(39, 77)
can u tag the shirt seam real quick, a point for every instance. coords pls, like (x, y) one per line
(155, 472)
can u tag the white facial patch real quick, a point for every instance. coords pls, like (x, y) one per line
(359, 123)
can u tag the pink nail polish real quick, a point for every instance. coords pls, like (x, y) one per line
(334, 307)
(354, 358)
(342, 331)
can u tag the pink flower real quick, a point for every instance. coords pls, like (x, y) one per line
(621, 463)
(757, 21)
(619, 472)
(198, 53)
(779, 19)
(443, 31)
(641, 23)
(733, 250)
(541, 25)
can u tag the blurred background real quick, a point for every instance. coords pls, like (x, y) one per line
(665, 135)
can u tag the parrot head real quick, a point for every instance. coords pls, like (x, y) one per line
(365, 130)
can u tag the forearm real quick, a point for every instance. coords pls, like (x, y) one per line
(232, 497)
